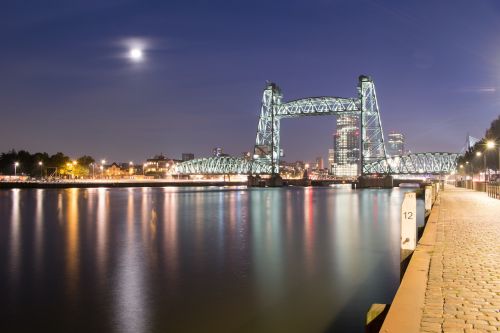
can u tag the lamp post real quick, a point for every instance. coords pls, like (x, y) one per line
(466, 163)
(461, 170)
(490, 144)
(102, 167)
(41, 169)
(16, 164)
(74, 168)
(69, 167)
(478, 154)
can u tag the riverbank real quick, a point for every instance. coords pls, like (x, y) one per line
(452, 283)
(116, 183)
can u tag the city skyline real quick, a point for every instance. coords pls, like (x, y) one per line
(198, 78)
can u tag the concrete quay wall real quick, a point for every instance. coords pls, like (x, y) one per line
(405, 313)
(452, 283)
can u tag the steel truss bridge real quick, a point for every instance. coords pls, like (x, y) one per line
(374, 160)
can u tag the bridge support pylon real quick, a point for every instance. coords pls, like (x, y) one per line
(274, 181)
(385, 181)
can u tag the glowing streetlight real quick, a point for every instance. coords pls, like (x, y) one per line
(16, 164)
(103, 161)
(41, 172)
(490, 144)
(478, 153)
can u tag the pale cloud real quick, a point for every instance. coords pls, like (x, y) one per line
(478, 90)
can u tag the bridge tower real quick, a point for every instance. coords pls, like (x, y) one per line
(372, 135)
(267, 142)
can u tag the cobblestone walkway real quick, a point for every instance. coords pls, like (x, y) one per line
(463, 290)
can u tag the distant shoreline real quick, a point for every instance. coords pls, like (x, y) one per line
(112, 184)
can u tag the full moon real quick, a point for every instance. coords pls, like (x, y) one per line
(136, 54)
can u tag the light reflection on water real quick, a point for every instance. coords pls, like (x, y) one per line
(196, 259)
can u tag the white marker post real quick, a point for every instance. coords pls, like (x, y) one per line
(428, 198)
(409, 222)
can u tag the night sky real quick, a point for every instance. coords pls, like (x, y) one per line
(67, 85)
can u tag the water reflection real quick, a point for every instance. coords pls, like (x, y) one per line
(131, 308)
(197, 259)
(101, 255)
(72, 243)
(39, 230)
(170, 239)
(308, 229)
(15, 237)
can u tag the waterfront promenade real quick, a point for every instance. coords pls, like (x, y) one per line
(453, 281)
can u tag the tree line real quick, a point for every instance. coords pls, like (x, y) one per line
(43, 164)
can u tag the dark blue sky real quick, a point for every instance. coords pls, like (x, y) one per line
(66, 86)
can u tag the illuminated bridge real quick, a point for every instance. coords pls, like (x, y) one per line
(374, 160)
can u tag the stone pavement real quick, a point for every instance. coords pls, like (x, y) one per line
(463, 286)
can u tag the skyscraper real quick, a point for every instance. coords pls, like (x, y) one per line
(346, 143)
(331, 159)
(395, 144)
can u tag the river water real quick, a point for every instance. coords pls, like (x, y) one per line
(196, 259)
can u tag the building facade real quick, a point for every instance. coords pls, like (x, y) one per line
(395, 144)
(346, 146)
(319, 165)
(331, 159)
(158, 166)
(187, 157)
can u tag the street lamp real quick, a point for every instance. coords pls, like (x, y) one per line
(102, 167)
(131, 169)
(490, 144)
(467, 163)
(478, 154)
(16, 164)
(41, 172)
(69, 165)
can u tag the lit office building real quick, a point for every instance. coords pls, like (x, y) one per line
(395, 144)
(346, 143)
(331, 159)
(319, 163)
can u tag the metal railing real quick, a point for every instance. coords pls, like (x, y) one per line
(493, 190)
